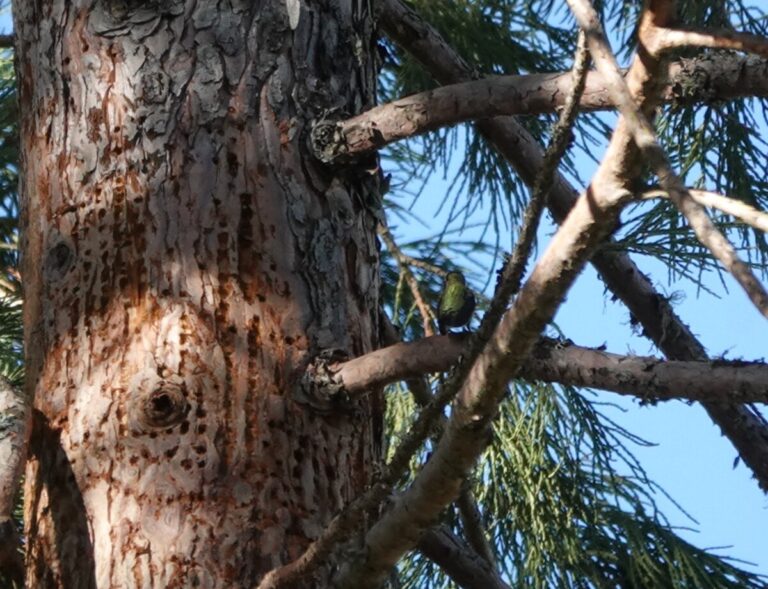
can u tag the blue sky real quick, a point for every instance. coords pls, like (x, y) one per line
(691, 460)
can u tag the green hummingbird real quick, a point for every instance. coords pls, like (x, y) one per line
(457, 302)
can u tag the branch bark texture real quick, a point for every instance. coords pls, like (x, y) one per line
(644, 377)
(703, 79)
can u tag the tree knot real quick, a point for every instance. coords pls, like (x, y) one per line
(327, 141)
(163, 407)
(319, 388)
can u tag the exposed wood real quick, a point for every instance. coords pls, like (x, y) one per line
(669, 39)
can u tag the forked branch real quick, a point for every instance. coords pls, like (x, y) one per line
(645, 137)
(591, 219)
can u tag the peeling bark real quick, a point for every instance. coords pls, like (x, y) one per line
(184, 259)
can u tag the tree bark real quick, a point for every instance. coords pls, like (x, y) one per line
(184, 260)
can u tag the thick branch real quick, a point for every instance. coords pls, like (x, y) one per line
(472, 524)
(645, 377)
(744, 426)
(707, 78)
(466, 569)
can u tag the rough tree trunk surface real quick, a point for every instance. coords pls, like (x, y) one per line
(184, 258)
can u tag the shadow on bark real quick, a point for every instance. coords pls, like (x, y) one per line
(58, 494)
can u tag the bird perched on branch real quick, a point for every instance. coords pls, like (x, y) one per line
(457, 303)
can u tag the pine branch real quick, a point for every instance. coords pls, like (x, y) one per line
(704, 79)
(590, 221)
(644, 377)
(743, 425)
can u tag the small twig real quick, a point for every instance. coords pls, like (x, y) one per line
(7, 41)
(667, 39)
(427, 315)
(512, 274)
(745, 213)
(645, 138)
(426, 266)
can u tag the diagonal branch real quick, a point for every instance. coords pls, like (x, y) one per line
(427, 316)
(745, 213)
(464, 568)
(744, 426)
(668, 39)
(589, 222)
(472, 524)
(645, 137)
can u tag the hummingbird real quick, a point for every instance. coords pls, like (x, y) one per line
(457, 302)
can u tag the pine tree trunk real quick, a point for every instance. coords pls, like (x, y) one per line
(184, 259)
